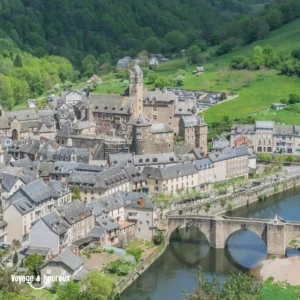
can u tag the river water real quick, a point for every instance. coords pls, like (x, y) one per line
(175, 271)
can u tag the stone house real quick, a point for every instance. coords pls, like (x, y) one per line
(180, 177)
(28, 204)
(72, 97)
(206, 172)
(265, 136)
(51, 231)
(79, 217)
(133, 207)
(66, 263)
(9, 184)
(84, 128)
(93, 185)
(151, 138)
(193, 130)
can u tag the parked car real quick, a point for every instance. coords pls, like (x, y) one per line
(4, 246)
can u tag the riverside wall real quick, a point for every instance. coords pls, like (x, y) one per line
(233, 201)
(142, 267)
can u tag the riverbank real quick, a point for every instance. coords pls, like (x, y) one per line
(281, 269)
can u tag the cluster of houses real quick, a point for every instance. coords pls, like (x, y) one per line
(84, 169)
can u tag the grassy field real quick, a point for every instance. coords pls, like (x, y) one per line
(279, 116)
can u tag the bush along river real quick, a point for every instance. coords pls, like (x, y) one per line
(176, 269)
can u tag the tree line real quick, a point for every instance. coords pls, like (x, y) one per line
(107, 30)
(24, 76)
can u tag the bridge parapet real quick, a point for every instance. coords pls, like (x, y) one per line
(275, 233)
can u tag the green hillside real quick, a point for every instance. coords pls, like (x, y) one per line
(266, 87)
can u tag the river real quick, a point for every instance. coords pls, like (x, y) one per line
(175, 271)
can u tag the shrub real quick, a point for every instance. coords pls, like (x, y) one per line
(119, 268)
(230, 207)
(159, 237)
(136, 253)
(223, 202)
(128, 259)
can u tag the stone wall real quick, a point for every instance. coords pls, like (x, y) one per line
(220, 205)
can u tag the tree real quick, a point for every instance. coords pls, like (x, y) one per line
(21, 90)
(294, 98)
(136, 253)
(239, 62)
(290, 158)
(88, 65)
(15, 258)
(279, 159)
(261, 156)
(179, 80)
(69, 291)
(18, 61)
(76, 193)
(6, 283)
(223, 49)
(193, 53)
(152, 77)
(274, 18)
(268, 157)
(33, 262)
(98, 287)
(161, 82)
(257, 59)
(6, 92)
(236, 287)
(152, 45)
(296, 53)
(176, 40)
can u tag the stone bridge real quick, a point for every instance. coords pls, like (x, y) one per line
(276, 234)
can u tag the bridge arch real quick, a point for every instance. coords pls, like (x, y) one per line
(229, 228)
(203, 226)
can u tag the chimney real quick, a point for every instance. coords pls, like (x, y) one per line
(75, 251)
(142, 201)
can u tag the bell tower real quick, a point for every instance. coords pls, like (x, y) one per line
(136, 89)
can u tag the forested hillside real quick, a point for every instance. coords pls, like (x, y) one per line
(109, 29)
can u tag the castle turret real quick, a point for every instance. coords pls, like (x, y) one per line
(136, 89)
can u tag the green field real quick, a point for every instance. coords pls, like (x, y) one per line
(279, 116)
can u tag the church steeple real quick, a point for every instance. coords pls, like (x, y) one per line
(136, 88)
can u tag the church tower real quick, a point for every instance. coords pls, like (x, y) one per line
(136, 89)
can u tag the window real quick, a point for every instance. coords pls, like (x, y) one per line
(154, 117)
(156, 181)
(148, 223)
(154, 108)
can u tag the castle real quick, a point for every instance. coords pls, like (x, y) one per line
(147, 119)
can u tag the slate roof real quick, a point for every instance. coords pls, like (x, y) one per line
(58, 189)
(45, 168)
(43, 129)
(37, 191)
(142, 121)
(160, 96)
(83, 125)
(220, 143)
(21, 115)
(43, 251)
(97, 231)
(198, 153)
(107, 223)
(283, 130)
(265, 124)
(191, 121)
(23, 205)
(170, 172)
(23, 163)
(204, 163)
(8, 181)
(120, 159)
(100, 180)
(151, 159)
(4, 123)
(64, 167)
(89, 168)
(74, 211)
(228, 153)
(110, 103)
(161, 128)
(56, 223)
(134, 174)
(244, 128)
(68, 258)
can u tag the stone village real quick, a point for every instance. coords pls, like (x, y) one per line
(85, 172)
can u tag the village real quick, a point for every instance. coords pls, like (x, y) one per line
(81, 178)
